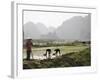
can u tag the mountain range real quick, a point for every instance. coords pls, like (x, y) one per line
(75, 28)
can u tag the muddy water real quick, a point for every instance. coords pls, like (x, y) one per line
(37, 53)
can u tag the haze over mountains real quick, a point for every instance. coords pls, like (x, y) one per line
(76, 28)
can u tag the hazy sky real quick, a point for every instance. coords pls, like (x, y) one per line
(49, 19)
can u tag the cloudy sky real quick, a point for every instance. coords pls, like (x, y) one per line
(49, 19)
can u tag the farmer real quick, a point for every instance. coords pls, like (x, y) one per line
(29, 48)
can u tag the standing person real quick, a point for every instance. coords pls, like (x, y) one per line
(29, 48)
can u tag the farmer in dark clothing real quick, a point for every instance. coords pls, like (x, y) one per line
(29, 48)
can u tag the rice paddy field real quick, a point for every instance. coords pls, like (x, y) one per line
(71, 56)
(37, 53)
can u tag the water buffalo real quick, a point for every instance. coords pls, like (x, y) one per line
(57, 52)
(48, 53)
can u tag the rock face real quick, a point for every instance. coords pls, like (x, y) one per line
(42, 28)
(31, 30)
(76, 28)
